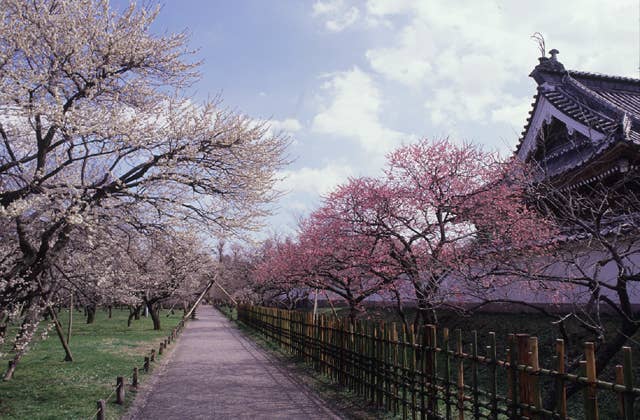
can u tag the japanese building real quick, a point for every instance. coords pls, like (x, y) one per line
(583, 126)
(583, 136)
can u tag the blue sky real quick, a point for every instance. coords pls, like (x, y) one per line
(350, 80)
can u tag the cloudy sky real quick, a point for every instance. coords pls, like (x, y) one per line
(351, 79)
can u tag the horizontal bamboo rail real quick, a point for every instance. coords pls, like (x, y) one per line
(407, 373)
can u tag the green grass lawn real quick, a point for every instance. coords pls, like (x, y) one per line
(46, 387)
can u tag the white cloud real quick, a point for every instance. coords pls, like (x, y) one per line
(386, 7)
(513, 111)
(317, 181)
(465, 58)
(289, 125)
(338, 14)
(353, 112)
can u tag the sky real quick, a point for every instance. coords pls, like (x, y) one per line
(350, 80)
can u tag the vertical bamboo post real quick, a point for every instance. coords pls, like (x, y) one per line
(387, 366)
(628, 383)
(352, 359)
(447, 373)
(396, 379)
(381, 366)
(424, 370)
(591, 402)
(316, 343)
(322, 345)
(474, 373)
(412, 370)
(493, 379)
(620, 381)
(523, 376)
(460, 381)
(536, 394)
(344, 343)
(561, 387)
(585, 391)
(302, 350)
(120, 390)
(374, 360)
(512, 375)
(403, 371)
(359, 358)
(433, 367)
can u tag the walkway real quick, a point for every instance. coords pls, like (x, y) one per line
(217, 373)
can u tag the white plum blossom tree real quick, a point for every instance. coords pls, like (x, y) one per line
(96, 129)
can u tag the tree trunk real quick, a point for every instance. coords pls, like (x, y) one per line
(4, 323)
(131, 315)
(155, 315)
(91, 313)
(27, 329)
(110, 311)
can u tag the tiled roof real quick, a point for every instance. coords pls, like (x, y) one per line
(599, 102)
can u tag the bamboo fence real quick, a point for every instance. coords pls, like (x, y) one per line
(430, 374)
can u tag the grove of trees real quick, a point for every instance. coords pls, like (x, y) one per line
(111, 175)
(450, 228)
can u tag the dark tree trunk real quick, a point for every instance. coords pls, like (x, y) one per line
(155, 315)
(110, 311)
(91, 313)
(132, 313)
(353, 313)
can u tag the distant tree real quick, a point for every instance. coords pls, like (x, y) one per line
(333, 254)
(278, 277)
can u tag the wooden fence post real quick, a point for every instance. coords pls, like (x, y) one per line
(512, 375)
(523, 376)
(474, 373)
(620, 381)
(433, 371)
(460, 379)
(447, 372)
(120, 390)
(493, 379)
(102, 410)
(134, 379)
(561, 387)
(628, 383)
(146, 364)
(536, 394)
(591, 402)
(153, 355)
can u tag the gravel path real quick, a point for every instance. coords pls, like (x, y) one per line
(217, 373)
